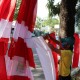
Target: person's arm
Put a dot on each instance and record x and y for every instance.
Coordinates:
(47, 37)
(54, 40)
(54, 49)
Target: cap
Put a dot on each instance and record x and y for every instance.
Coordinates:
(67, 41)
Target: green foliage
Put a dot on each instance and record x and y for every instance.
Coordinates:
(17, 9)
(53, 9)
(50, 22)
(38, 22)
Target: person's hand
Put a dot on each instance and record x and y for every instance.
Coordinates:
(61, 47)
(46, 37)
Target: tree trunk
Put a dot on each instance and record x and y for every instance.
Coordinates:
(67, 17)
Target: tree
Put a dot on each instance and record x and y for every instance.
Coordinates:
(67, 16)
(53, 9)
(38, 22)
(77, 17)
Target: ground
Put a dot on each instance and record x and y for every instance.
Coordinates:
(76, 75)
(38, 72)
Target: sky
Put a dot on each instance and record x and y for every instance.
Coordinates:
(42, 11)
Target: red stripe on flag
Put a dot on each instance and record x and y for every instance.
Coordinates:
(3, 46)
(7, 10)
(31, 17)
(11, 50)
(3, 74)
(1, 3)
(17, 78)
(30, 58)
(76, 51)
(27, 13)
(22, 11)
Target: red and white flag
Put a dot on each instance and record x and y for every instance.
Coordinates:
(20, 52)
(7, 8)
(76, 55)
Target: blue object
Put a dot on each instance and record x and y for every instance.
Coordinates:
(67, 41)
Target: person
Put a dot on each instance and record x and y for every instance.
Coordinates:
(65, 51)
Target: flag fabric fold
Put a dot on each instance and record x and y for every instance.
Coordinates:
(3, 74)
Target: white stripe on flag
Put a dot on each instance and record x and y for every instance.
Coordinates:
(18, 66)
(21, 31)
(5, 28)
(46, 59)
